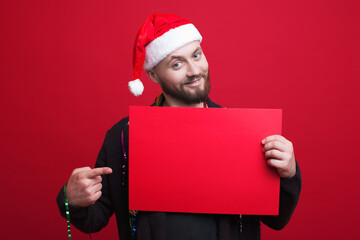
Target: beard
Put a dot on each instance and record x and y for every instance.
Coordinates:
(185, 95)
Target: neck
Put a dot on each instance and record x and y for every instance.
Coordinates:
(171, 102)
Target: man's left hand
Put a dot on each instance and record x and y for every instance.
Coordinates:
(279, 153)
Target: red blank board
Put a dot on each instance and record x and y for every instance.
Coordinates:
(202, 160)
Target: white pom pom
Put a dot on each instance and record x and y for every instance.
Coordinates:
(136, 87)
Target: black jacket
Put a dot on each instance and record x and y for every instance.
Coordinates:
(114, 199)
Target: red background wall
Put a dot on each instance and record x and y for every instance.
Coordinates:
(64, 67)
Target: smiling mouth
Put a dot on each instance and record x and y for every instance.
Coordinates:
(194, 82)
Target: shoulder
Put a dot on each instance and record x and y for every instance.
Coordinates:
(113, 135)
(120, 125)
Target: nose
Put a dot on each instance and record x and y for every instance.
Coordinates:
(193, 69)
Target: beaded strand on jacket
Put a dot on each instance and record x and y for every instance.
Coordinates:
(132, 213)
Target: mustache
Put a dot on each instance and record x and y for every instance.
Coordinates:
(193, 78)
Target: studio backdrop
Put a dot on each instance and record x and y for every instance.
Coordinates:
(64, 68)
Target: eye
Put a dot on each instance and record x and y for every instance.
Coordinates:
(176, 65)
(196, 55)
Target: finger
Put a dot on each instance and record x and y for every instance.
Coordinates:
(278, 138)
(275, 154)
(97, 187)
(96, 180)
(274, 138)
(96, 196)
(275, 145)
(98, 171)
(276, 163)
(76, 170)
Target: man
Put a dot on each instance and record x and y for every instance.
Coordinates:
(168, 47)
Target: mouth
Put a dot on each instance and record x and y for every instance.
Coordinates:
(194, 83)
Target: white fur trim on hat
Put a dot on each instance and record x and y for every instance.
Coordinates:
(173, 39)
(136, 87)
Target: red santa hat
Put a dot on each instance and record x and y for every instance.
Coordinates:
(160, 35)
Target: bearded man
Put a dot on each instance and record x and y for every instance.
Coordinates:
(168, 48)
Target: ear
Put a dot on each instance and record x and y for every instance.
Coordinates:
(153, 76)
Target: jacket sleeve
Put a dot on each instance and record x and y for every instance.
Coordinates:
(289, 195)
(95, 217)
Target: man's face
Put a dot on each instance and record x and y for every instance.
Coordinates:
(184, 74)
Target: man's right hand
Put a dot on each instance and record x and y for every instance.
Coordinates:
(84, 186)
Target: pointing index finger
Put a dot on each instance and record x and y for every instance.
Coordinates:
(98, 171)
